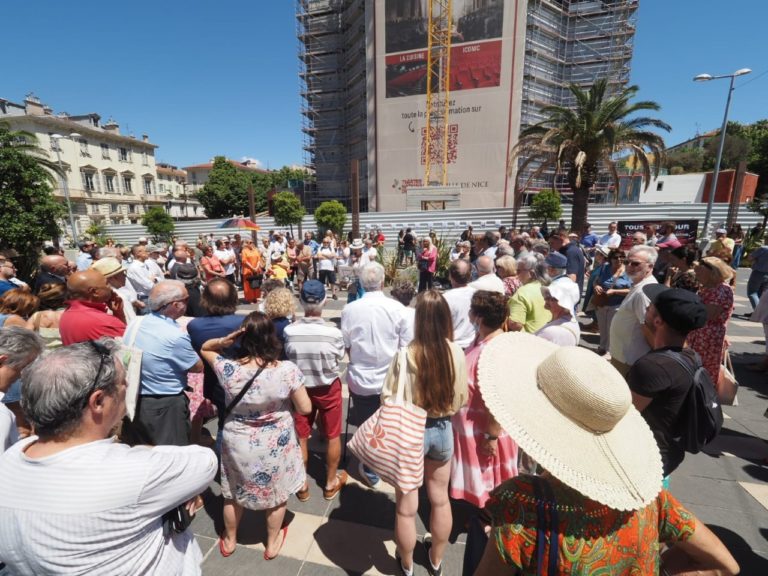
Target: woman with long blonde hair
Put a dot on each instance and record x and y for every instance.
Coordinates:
(436, 373)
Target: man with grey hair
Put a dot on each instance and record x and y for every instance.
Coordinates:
(162, 409)
(317, 348)
(99, 503)
(140, 274)
(630, 338)
(459, 298)
(18, 348)
(527, 309)
(374, 328)
(486, 276)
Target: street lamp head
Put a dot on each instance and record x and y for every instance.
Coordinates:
(75, 135)
(702, 78)
(742, 72)
(57, 136)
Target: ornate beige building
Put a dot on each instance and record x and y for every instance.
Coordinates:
(110, 178)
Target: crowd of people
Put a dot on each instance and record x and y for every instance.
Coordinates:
(111, 364)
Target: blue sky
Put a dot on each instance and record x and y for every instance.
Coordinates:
(206, 78)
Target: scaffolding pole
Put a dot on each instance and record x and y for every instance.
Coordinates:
(438, 89)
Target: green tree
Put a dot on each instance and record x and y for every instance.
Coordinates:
(685, 160)
(545, 207)
(28, 209)
(591, 134)
(225, 193)
(159, 224)
(287, 209)
(96, 231)
(736, 148)
(331, 215)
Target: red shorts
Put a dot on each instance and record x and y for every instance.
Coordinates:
(326, 403)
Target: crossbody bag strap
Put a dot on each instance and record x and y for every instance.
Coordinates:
(236, 400)
(135, 332)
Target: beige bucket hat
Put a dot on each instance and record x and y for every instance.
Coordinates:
(572, 412)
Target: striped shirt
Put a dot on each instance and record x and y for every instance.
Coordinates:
(96, 509)
(316, 347)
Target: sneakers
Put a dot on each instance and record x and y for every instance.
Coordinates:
(366, 477)
(427, 542)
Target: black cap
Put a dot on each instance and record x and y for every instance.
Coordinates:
(682, 310)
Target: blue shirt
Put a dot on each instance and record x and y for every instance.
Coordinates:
(167, 354)
(5, 286)
(759, 259)
(590, 240)
(607, 281)
(312, 244)
(84, 261)
(202, 329)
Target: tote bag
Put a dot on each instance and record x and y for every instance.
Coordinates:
(727, 385)
(131, 359)
(391, 442)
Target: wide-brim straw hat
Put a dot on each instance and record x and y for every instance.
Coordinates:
(357, 244)
(572, 412)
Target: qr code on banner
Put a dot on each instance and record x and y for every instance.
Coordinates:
(435, 151)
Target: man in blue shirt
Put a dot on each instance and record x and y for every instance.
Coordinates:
(590, 239)
(85, 257)
(310, 241)
(162, 410)
(575, 261)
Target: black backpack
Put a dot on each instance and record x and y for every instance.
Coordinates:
(701, 418)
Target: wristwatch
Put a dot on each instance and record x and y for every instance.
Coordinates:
(489, 436)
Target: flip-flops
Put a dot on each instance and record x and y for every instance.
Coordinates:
(285, 536)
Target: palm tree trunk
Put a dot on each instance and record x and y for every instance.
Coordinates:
(580, 209)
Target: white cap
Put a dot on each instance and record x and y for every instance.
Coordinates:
(565, 291)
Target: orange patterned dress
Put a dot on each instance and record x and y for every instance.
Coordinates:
(251, 266)
(592, 538)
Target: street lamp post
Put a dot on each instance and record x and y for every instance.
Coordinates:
(65, 182)
(716, 172)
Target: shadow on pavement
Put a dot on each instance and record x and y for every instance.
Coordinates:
(750, 562)
(744, 446)
(757, 472)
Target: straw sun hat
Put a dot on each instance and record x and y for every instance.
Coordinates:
(572, 412)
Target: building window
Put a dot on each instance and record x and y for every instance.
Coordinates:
(161, 188)
(144, 159)
(660, 186)
(105, 151)
(131, 208)
(84, 148)
(147, 186)
(114, 208)
(125, 154)
(94, 208)
(109, 182)
(89, 182)
(127, 184)
(54, 143)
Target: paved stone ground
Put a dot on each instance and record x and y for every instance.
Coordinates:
(726, 486)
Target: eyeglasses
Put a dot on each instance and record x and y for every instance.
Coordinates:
(104, 355)
(634, 262)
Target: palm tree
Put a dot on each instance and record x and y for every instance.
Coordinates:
(590, 135)
(27, 143)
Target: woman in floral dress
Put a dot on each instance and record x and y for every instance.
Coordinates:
(260, 456)
(713, 275)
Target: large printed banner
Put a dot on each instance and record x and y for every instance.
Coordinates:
(685, 230)
(482, 82)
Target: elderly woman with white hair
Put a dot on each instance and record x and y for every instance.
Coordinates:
(88, 504)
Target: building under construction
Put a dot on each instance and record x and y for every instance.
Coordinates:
(362, 79)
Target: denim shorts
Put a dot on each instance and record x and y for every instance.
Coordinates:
(438, 439)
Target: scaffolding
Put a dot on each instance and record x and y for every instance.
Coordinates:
(332, 69)
(573, 42)
(438, 89)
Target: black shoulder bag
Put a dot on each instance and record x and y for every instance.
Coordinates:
(231, 406)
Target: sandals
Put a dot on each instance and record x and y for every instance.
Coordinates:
(285, 536)
(223, 550)
(303, 494)
(341, 480)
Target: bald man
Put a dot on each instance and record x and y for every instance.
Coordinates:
(88, 316)
(54, 269)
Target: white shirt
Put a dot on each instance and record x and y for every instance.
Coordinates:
(326, 263)
(491, 252)
(155, 268)
(96, 509)
(610, 240)
(628, 342)
(140, 277)
(224, 255)
(128, 309)
(9, 434)
(410, 322)
(564, 331)
(459, 300)
(489, 282)
(374, 329)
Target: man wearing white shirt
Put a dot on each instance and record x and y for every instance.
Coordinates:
(374, 329)
(326, 263)
(88, 504)
(226, 256)
(486, 276)
(154, 262)
(459, 298)
(612, 239)
(139, 274)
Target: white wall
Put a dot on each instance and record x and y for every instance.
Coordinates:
(680, 188)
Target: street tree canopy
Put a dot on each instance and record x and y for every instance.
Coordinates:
(331, 215)
(29, 212)
(591, 134)
(159, 224)
(545, 207)
(287, 209)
